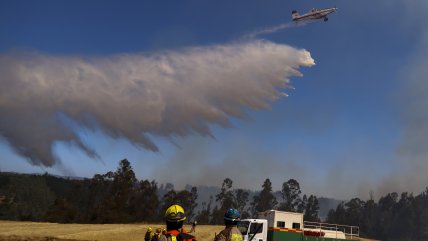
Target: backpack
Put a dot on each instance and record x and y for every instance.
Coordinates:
(179, 236)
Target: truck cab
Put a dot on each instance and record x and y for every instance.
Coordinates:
(253, 229)
(272, 225)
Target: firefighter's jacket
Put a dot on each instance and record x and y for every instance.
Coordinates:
(148, 236)
(229, 234)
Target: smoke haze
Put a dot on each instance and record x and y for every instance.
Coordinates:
(132, 96)
(413, 149)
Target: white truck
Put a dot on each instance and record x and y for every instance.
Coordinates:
(276, 225)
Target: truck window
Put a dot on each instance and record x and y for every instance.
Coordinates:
(243, 227)
(296, 225)
(280, 224)
(256, 228)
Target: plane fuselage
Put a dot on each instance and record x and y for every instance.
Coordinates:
(315, 14)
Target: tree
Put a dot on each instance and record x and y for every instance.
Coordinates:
(265, 200)
(386, 206)
(203, 216)
(241, 199)
(25, 197)
(121, 192)
(93, 203)
(405, 216)
(302, 206)
(291, 196)
(225, 199)
(420, 204)
(187, 199)
(354, 210)
(124, 181)
(311, 209)
(216, 219)
(145, 202)
(111, 195)
(369, 216)
(192, 202)
(338, 215)
(167, 200)
(62, 211)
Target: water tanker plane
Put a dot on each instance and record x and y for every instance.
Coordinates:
(313, 14)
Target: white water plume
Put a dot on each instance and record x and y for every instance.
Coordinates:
(170, 93)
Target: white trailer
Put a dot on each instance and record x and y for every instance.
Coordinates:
(274, 225)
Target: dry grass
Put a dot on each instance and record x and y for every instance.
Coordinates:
(31, 231)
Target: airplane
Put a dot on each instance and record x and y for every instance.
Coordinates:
(313, 14)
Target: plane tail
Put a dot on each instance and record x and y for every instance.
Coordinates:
(294, 14)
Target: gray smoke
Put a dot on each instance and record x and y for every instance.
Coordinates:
(133, 96)
(413, 149)
(409, 171)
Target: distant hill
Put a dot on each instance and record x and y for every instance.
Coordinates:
(205, 192)
(326, 204)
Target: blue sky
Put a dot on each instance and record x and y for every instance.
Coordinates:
(345, 129)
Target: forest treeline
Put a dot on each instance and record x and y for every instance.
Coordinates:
(119, 197)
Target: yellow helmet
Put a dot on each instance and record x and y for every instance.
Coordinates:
(175, 213)
(149, 229)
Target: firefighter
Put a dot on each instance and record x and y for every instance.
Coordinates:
(149, 234)
(231, 232)
(174, 218)
(193, 229)
(157, 235)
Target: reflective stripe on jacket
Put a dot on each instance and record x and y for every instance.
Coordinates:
(174, 235)
(229, 234)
